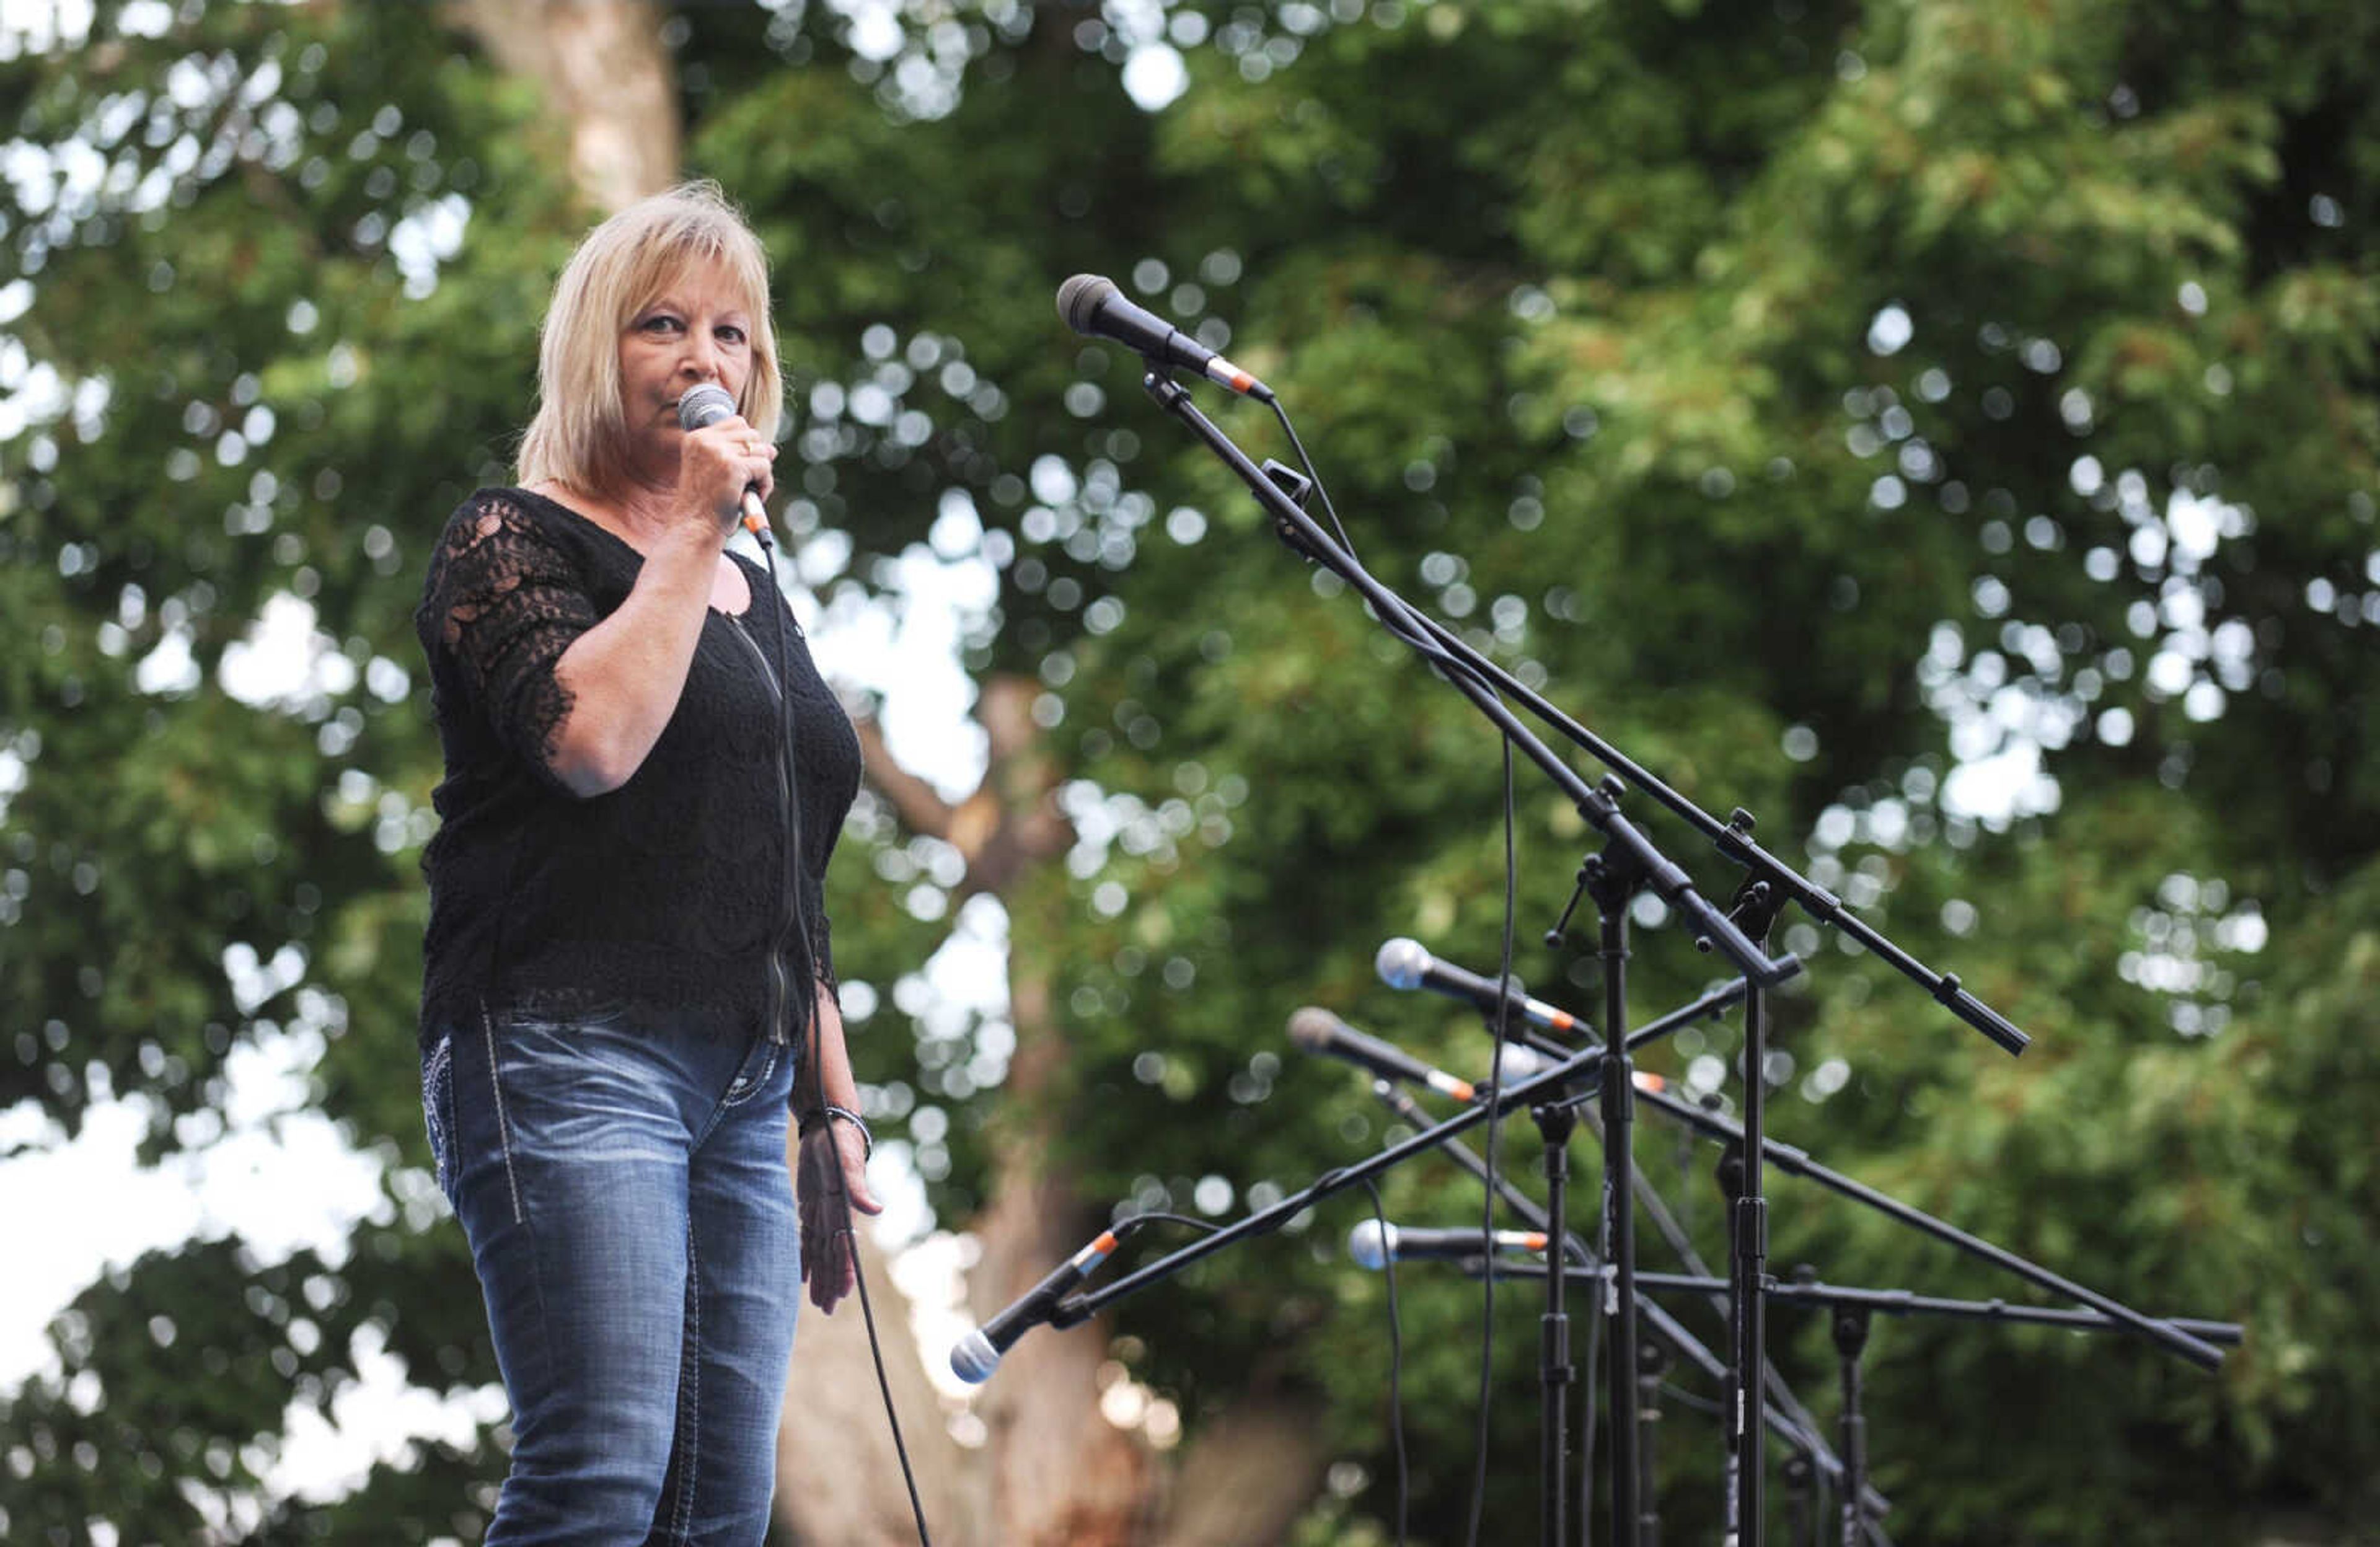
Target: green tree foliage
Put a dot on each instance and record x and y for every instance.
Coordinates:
(1825, 402)
(242, 269)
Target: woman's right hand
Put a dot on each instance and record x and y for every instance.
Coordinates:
(718, 462)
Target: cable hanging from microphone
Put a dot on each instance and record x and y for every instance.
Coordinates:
(700, 406)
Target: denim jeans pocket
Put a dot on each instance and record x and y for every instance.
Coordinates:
(754, 1078)
(438, 1110)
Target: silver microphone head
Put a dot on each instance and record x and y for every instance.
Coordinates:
(1402, 963)
(1079, 299)
(974, 1358)
(1519, 1060)
(1314, 1029)
(707, 404)
(1371, 1244)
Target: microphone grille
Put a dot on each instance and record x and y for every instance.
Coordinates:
(1313, 1029)
(1370, 1244)
(1402, 963)
(707, 404)
(1079, 299)
(974, 1358)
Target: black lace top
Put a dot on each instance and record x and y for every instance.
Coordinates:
(695, 884)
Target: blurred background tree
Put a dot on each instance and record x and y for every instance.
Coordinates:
(1946, 430)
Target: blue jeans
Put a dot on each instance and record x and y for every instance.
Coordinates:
(622, 1181)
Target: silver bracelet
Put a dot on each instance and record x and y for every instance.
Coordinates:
(829, 1112)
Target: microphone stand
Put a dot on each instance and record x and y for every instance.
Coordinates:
(1748, 1237)
(1800, 1518)
(1649, 1204)
(1481, 680)
(1476, 680)
(1850, 1309)
(1555, 1120)
(1652, 1363)
(1076, 1307)
(1784, 1416)
(1612, 879)
(1897, 1302)
(1629, 859)
(1080, 1306)
(1851, 1340)
(1770, 883)
(2178, 1338)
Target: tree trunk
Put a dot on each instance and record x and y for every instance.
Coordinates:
(606, 74)
(1052, 1471)
(838, 1475)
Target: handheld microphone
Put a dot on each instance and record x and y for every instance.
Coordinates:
(1093, 306)
(1373, 1246)
(978, 1354)
(1407, 964)
(1317, 1031)
(707, 405)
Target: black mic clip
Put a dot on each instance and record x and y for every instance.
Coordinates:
(1561, 931)
(1300, 489)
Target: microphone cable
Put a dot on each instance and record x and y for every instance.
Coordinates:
(1396, 1363)
(1495, 1135)
(1402, 627)
(838, 1191)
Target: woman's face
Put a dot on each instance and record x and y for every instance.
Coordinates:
(696, 329)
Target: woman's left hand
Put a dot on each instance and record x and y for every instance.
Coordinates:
(831, 1167)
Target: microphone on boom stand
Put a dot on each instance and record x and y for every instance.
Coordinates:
(1317, 1031)
(1407, 964)
(978, 1353)
(1373, 1245)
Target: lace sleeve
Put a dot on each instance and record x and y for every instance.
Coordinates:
(506, 604)
(823, 954)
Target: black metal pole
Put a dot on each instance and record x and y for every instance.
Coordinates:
(1469, 670)
(1652, 1364)
(1611, 882)
(1901, 1302)
(2176, 1337)
(1578, 1068)
(1748, 1234)
(1851, 1341)
(1554, 1122)
(1731, 1189)
(1474, 676)
(1787, 1420)
(1800, 1506)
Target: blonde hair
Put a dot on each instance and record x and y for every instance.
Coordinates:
(579, 434)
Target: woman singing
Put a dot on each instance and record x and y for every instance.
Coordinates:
(628, 985)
